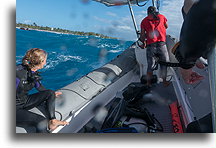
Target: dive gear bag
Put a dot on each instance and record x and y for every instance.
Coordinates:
(128, 106)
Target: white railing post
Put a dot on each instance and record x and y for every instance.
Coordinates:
(212, 80)
(133, 18)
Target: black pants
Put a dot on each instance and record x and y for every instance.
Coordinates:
(45, 99)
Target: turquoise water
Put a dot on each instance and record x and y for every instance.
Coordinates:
(69, 56)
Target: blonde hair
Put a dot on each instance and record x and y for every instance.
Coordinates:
(34, 57)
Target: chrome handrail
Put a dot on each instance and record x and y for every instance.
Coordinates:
(212, 80)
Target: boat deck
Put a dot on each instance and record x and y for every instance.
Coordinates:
(160, 106)
(157, 103)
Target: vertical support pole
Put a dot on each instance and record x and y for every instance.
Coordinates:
(153, 3)
(133, 18)
(212, 80)
(158, 4)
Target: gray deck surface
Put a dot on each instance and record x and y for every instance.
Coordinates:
(198, 94)
(157, 102)
(163, 96)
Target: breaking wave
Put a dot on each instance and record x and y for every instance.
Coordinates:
(69, 56)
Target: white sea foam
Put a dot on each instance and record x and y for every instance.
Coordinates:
(19, 59)
(56, 59)
(69, 58)
(105, 45)
(53, 62)
(82, 37)
(115, 51)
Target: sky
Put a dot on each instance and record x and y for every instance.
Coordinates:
(91, 16)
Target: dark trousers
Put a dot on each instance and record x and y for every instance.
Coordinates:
(45, 99)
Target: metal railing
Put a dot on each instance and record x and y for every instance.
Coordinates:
(212, 80)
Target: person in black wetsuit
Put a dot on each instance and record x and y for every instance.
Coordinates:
(197, 36)
(27, 78)
(197, 39)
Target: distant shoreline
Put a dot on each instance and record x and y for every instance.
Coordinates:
(44, 31)
(58, 30)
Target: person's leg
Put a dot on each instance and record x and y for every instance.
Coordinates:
(27, 118)
(150, 60)
(47, 96)
(163, 56)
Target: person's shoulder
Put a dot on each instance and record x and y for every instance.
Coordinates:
(19, 67)
(161, 15)
(145, 19)
(20, 71)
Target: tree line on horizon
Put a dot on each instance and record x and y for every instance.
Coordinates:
(35, 26)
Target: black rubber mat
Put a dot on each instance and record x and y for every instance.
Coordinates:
(160, 97)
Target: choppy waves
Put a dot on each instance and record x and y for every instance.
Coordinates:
(55, 60)
(69, 56)
(115, 51)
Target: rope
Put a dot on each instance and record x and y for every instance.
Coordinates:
(169, 64)
(60, 115)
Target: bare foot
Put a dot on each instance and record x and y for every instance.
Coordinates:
(53, 124)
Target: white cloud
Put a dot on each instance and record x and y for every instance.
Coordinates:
(27, 21)
(143, 12)
(102, 20)
(126, 28)
(123, 27)
(111, 14)
(172, 11)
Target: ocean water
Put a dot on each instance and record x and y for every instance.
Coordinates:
(69, 56)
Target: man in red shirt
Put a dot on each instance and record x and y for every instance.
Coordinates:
(153, 36)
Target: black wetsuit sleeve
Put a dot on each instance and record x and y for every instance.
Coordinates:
(198, 31)
(39, 86)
